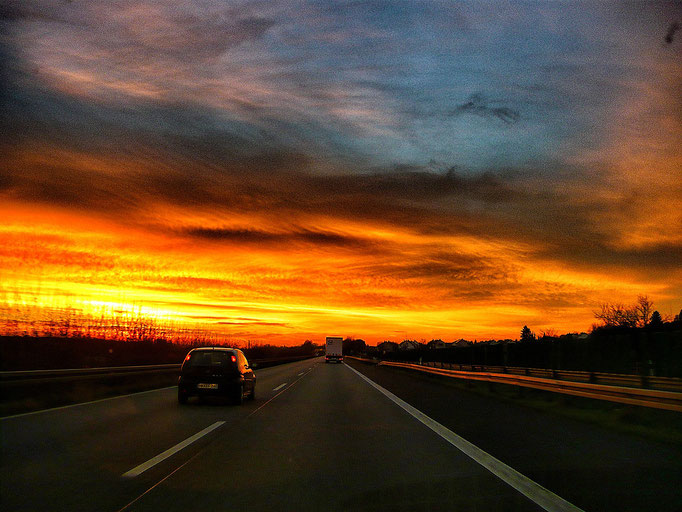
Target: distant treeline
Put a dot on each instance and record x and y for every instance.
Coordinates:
(644, 350)
(43, 353)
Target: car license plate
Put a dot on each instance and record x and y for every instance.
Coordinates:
(207, 386)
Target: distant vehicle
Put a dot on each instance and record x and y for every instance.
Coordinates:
(334, 350)
(216, 371)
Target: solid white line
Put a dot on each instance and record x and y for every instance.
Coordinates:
(301, 374)
(532, 490)
(21, 415)
(279, 387)
(137, 470)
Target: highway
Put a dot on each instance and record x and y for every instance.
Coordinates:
(322, 437)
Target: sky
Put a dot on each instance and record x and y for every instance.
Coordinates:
(286, 170)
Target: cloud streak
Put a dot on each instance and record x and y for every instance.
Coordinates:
(260, 237)
(479, 105)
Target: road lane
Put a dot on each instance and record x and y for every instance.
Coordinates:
(73, 458)
(325, 441)
(548, 500)
(330, 442)
(589, 465)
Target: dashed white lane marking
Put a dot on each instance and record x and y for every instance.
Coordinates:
(171, 451)
(279, 387)
(301, 374)
(532, 490)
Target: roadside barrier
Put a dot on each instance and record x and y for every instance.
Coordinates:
(613, 379)
(564, 382)
(34, 376)
(27, 390)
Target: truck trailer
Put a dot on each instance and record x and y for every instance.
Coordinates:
(334, 349)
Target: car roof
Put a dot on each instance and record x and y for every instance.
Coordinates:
(225, 349)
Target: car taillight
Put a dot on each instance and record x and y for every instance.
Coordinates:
(233, 358)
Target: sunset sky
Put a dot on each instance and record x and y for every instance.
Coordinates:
(284, 170)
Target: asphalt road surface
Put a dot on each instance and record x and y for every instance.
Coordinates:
(321, 437)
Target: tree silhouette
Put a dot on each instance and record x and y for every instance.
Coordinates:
(527, 334)
(656, 320)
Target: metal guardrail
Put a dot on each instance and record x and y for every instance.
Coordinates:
(16, 376)
(28, 390)
(612, 379)
(669, 400)
(71, 372)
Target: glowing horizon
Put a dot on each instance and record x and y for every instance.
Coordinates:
(377, 170)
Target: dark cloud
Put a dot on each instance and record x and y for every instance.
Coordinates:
(10, 12)
(418, 183)
(670, 34)
(658, 259)
(480, 106)
(437, 266)
(259, 237)
(15, 10)
(253, 323)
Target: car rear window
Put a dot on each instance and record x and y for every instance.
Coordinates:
(210, 358)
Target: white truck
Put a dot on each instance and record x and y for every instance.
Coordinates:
(334, 350)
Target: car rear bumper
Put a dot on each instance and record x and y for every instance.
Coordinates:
(224, 388)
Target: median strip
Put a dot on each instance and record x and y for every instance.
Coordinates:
(171, 451)
(279, 387)
(532, 490)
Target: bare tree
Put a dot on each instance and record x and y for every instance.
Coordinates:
(617, 314)
(644, 309)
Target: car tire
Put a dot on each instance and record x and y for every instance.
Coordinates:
(182, 398)
(252, 395)
(239, 395)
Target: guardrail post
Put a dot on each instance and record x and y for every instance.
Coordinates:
(645, 381)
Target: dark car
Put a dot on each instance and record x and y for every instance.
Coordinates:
(216, 371)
